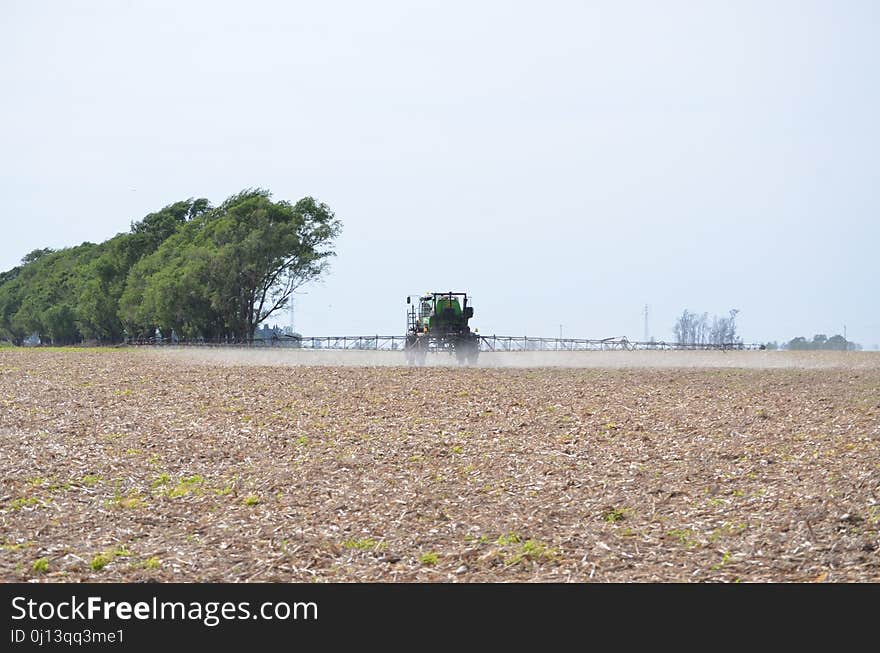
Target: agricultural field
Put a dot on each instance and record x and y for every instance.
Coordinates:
(137, 465)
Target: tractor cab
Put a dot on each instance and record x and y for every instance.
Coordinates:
(426, 312)
(438, 321)
(446, 311)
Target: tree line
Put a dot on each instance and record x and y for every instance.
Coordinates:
(819, 342)
(191, 268)
(697, 329)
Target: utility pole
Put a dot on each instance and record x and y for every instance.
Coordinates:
(845, 345)
(560, 332)
(292, 330)
(647, 338)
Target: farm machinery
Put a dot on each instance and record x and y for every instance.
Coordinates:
(439, 322)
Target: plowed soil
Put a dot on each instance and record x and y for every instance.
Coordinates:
(121, 465)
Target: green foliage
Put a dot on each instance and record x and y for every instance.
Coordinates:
(103, 559)
(615, 515)
(429, 559)
(534, 550)
(685, 537)
(35, 255)
(725, 558)
(6, 545)
(516, 550)
(821, 341)
(132, 501)
(100, 561)
(200, 270)
(18, 504)
(70, 295)
(40, 566)
(162, 479)
(510, 538)
(189, 485)
(40, 297)
(152, 563)
(363, 544)
(224, 272)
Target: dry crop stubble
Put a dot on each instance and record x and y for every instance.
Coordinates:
(124, 465)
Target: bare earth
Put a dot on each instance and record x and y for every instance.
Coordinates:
(122, 465)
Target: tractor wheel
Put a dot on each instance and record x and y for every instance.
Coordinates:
(410, 349)
(420, 352)
(467, 350)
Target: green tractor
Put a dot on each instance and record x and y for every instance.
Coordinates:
(439, 322)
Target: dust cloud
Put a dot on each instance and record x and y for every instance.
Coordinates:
(233, 356)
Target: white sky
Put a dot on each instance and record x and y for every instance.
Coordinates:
(563, 162)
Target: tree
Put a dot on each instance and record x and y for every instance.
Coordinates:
(835, 342)
(228, 269)
(820, 341)
(41, 298)
(35, 255)
(200, 270)
(171, 290)
(271, 249)
(688, 328)
(798, 343)
(723, 331)
(693, 329)
(154, 229)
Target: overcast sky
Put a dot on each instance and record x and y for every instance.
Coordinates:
(563, 162)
